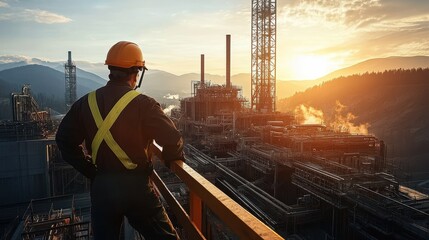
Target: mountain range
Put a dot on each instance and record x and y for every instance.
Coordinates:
(288, 88)
(17, 70)
(155, 81)
(394, 110)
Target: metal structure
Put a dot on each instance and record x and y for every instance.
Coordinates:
(212, 106)
(228, 61)
(28, 121)
(55, 218)
(70, 77)
(25, 107)
(24, 173)
(263, 55)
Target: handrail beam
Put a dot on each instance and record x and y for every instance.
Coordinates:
(238, 219)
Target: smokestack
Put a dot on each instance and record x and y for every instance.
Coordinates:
(202, 69)
(69, 59)
(228, 61)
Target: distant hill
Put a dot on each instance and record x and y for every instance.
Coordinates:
(99, 69)
(394, 104)
(288, 88)
(180, 84)
(45, 83)
(380, 65)
(46, 80)
(167, 87)
(9, 62)
(4, 66)
(285, 88)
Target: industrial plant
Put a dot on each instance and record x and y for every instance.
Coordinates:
(300, 181)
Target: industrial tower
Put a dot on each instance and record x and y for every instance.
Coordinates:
(70, 75)
(263, 55)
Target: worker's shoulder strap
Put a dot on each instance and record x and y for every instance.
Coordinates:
(104, 126)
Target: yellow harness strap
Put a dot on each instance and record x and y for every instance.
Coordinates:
(104, 126)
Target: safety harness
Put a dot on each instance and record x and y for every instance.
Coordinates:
(104, 126)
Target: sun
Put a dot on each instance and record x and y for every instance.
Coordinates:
(308, 67)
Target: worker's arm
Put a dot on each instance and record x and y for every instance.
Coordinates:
(165, 134)
(69, 139)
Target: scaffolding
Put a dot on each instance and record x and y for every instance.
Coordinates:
(263, 55)
(25, 107)
(28, 121)
(54, 218)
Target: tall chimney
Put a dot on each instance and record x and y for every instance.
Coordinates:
(202, 69)
(69, 60)
(228, 61)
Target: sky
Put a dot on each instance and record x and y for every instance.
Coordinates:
(314, 37)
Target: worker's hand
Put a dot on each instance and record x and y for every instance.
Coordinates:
(88, 158)
(93, 171)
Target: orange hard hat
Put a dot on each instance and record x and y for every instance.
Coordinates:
(125, 55)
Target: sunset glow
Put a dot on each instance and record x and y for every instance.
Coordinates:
(314, 38)
(308, 67)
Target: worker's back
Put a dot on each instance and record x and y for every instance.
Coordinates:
(117, 125)
(131, 130)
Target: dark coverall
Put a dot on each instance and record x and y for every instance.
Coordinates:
(115, 190)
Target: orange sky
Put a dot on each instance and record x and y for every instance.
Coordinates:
(313, 37)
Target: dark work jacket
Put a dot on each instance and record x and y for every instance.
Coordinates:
(141, 122)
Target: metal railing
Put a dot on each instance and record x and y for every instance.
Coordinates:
(203, 193)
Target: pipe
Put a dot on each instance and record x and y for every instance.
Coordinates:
(70, 58)
(202, 69)
(228, 61)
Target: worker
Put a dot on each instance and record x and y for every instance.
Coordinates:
(116, 125)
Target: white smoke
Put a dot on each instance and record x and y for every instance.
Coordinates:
(167, 110)
(344, 121)
(171, 96)
(308, 115)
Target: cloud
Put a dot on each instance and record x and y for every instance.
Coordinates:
(3, 4)
(404, 37)
(357, 29)
(34, 15)
(351, 13)
(42, 16)
(14, 58)
(360, 13)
